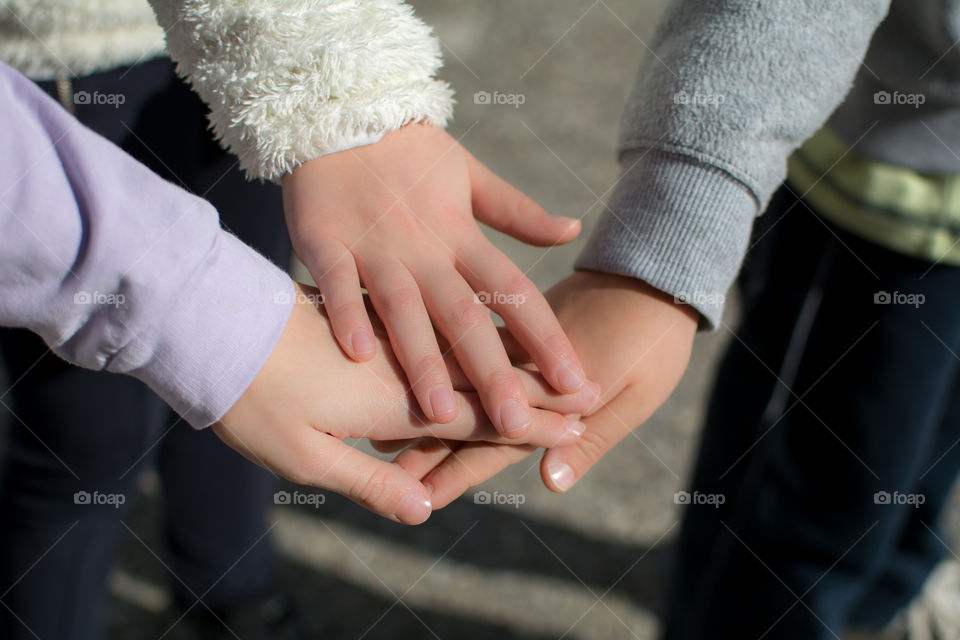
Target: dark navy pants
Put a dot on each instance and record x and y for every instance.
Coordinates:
(74, 430)
(833, 433)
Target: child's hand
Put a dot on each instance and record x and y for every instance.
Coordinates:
(308, 397)
(634, 340)
(400, 214)
(637, 340)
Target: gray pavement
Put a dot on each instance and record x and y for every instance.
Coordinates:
(590, 564)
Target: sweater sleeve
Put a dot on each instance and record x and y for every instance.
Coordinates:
(728, 89)
(119, 270)
(290, 81)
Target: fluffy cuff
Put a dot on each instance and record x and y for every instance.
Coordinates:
(287, 82)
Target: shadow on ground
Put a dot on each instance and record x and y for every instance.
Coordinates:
(335, 608)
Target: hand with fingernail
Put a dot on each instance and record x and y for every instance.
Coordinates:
(400, 217)
(634, 341)
(308, 397)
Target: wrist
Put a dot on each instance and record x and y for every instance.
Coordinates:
(376, 140)
(633, 291)
(213, 338)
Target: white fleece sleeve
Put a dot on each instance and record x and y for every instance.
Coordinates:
(292, 80)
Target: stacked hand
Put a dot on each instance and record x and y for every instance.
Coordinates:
(308, 397)
(398, 216)
(634, 340)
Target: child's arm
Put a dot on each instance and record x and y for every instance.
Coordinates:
(727, 91)
(339, 100)
(119, 270)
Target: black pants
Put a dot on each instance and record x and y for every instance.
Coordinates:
(832, 435)
(74, 430)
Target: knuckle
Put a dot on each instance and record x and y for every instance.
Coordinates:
(549, 424)
(345, 312)
(402, 301)
(370, 489)
(556, 348)
(520, 285)
(458, 220)
(466, 313)
(404, 217)
(593, 445)
(526, 206)
(503, 382)
(457, 475)
(339, 270)
(429, 365)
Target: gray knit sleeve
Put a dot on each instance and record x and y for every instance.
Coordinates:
(728, 89)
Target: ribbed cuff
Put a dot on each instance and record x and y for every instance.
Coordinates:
(217, 334)
(679, 225)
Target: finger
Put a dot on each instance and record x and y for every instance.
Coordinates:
(505, 208)
(516, 353)
(563, 467)
(547, 429)
(539, 394)
(466, 467)
(398, 302)
(542, 396)
(382, 487)
(504, 288)
(474, 340)
(424, 454)
(334, 269)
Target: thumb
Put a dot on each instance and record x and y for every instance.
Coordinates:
(505, 208)
(382, 487)
(563, 467)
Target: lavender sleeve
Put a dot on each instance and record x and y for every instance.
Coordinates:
(119, 270)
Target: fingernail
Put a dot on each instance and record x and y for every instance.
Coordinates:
(513, 418)
(361, 342)
(561, 474)
(574, 426)
(590, 392)
(429, 488)
(414, 509)
(442, 402)
(570, 376)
